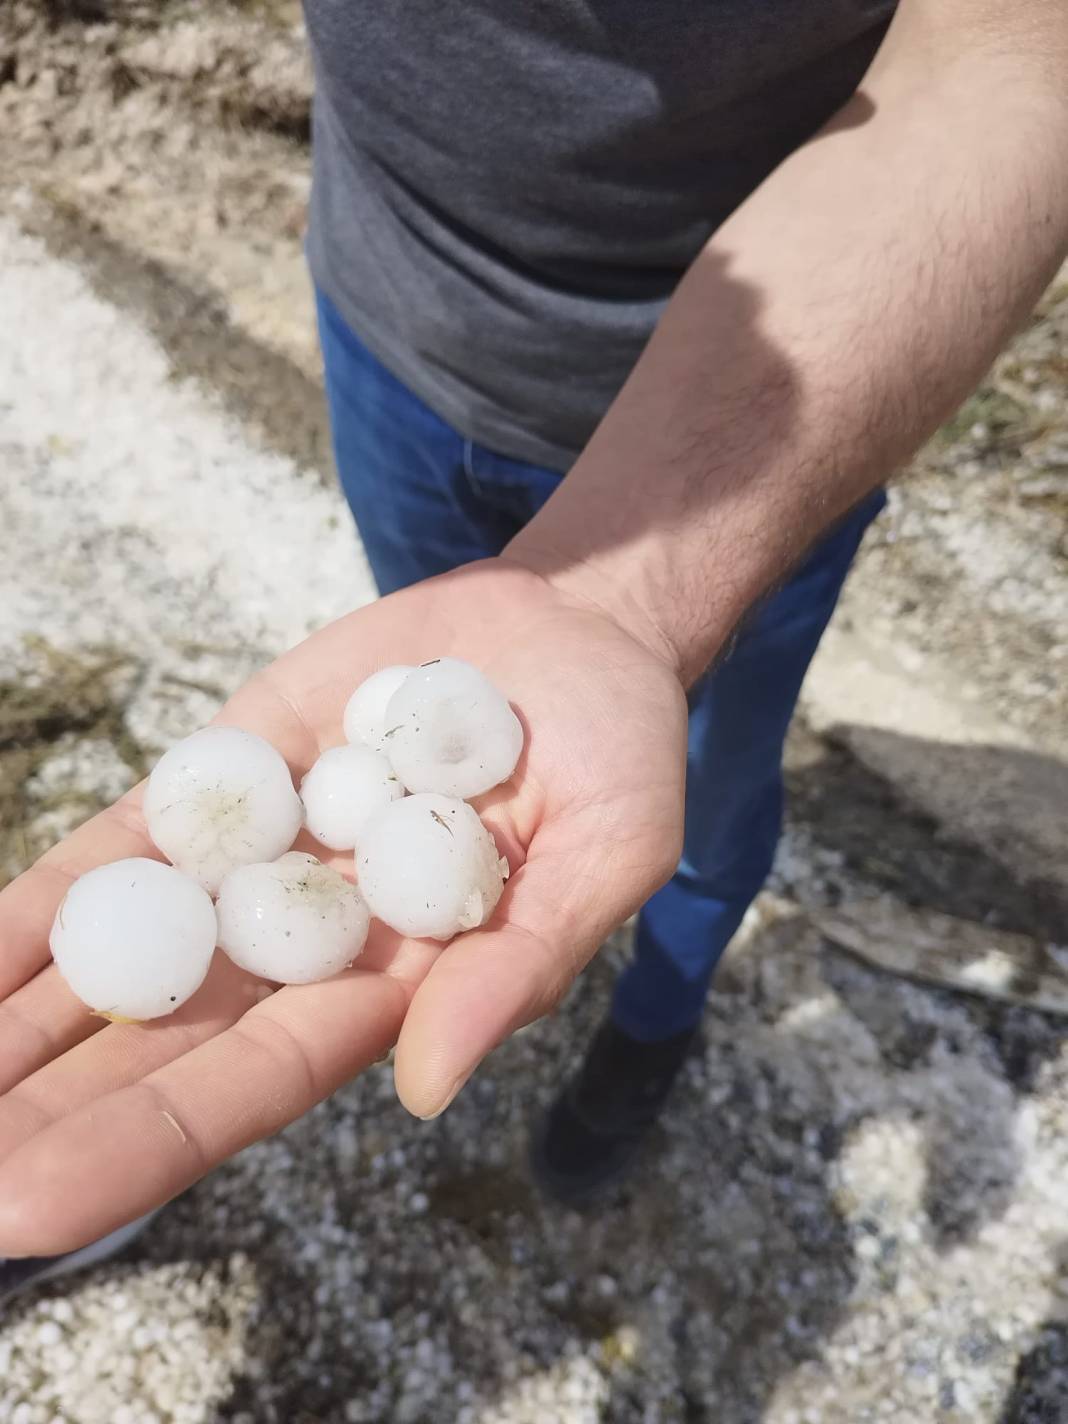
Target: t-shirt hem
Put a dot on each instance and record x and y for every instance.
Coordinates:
(499, 437)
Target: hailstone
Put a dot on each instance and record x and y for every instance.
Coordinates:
(429, 868)
(221, 798)
(293, 921)
(450, 731)
(344, 788)
(134, 939)
(365, 712)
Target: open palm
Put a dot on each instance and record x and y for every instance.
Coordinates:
(99, 1123)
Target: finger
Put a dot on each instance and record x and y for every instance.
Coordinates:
(70, 1075)
(557, 910)
(136, 1148)
(39, 1022)
(119, 1054)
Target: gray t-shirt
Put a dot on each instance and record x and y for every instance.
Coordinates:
(506, 192)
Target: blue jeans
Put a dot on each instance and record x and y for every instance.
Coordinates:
(426, 499)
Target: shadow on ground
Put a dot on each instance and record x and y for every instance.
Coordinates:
(860, 816)
(277, 401)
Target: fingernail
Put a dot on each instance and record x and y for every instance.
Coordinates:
(429, 1117)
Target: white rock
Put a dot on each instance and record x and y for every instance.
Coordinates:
(343, 790)
(365, 712)
(134, 938)
(294, 921)
(429, 868)
(219, 799)
(449, 730)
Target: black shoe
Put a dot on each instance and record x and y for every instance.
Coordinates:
(25, 1272)
(592, 1133)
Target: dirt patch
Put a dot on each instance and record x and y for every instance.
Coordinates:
(885, 842)
(56, 701)
(274, 395)
(179, 131)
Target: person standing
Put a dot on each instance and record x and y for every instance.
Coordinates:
(628, 311)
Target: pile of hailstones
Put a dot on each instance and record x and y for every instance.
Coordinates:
(134, 939)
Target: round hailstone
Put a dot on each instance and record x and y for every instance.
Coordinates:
(450, 730)
(134, 939)
(428, 867)
(221, 798)
(294, 921)
(343, 790)
(365, 712)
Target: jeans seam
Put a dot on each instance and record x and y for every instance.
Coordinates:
(469, 467)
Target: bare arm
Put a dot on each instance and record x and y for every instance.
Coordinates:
(826, 329)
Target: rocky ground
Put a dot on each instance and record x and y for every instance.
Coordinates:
(856, 1207)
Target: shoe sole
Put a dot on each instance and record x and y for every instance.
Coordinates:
(584, 1192)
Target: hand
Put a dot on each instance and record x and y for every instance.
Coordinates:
(99, 1123)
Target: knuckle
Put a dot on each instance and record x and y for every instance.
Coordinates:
(285, 1051)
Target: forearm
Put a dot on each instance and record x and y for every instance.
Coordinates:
(826, 330)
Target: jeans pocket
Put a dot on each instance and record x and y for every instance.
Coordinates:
(514, 487)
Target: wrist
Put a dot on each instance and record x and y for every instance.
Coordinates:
(619, 585)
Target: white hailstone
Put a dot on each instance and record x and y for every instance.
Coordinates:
(343, 790)
(134, 939)
(293, 921)
(221, 798)
(365, 711)
(428, 867)
(450, 730)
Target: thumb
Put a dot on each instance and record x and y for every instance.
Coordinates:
(554, 915)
